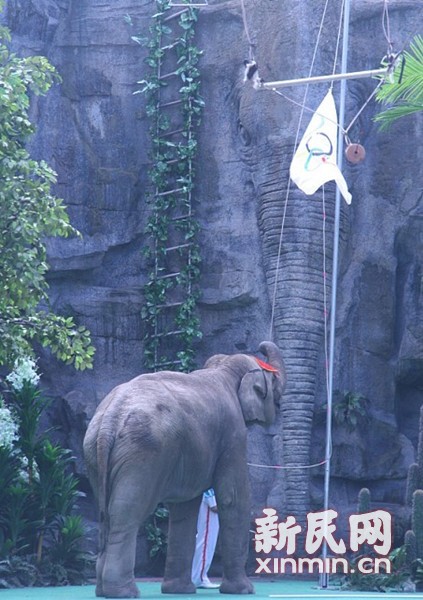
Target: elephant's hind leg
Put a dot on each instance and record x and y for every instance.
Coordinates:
(181, 546)
(118, 569)
(128, 508)
(99, 573)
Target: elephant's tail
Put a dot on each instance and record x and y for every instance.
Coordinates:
(105, 444)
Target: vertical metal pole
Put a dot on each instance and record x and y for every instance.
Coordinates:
(345, 35)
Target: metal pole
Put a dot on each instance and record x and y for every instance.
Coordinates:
(325, 575)
(273, 85)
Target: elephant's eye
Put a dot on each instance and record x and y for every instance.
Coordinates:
(243, 133)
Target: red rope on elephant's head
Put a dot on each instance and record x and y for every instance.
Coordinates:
(266, 366)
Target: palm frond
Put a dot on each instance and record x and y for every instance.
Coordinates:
(403, 96)
(388, 116)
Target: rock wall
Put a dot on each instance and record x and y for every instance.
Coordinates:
(93, 131)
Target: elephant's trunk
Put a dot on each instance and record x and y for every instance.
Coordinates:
(274, 357)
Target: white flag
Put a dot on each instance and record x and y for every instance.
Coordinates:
(314, 162)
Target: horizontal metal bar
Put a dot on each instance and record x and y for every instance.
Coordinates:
(170, 305)
(170, 46)
(167, 276)
(172, 248)
(167, 363)
(173, 103)
(168, 333)
(175, 15)
(271, 85)
(183, 217)
(170, 133)
(168, 75)
(169, 192)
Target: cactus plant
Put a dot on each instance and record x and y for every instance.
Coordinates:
(420, 448)
(413, 477)
(364, 500)
(410, 547)
(415, 470)
(417, 521)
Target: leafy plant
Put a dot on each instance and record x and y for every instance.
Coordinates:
(67, 548)
(403, 96)
(54, 489)
(156, 536)
(29, 212)
(350, 409)
(40, 537)
(172, 177)
(396, 581)
(16, 572)
(417, 574)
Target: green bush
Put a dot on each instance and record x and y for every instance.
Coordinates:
(40, 536)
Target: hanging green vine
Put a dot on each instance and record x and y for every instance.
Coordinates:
(172, 177)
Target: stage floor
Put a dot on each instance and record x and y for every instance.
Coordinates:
(150, 590)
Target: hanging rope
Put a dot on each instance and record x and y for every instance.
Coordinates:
(338, 40)
(303, 108)
(386, 26)
(247, 32)
(325, 295)
(390, 58)
(319, 464)
(366, 103)
(288, 189)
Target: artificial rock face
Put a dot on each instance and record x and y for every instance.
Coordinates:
(93, 131)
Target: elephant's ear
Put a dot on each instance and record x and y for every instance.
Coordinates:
(255, 395)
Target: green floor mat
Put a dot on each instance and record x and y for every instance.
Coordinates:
(284, 589)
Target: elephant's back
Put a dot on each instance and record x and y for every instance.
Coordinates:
(159, 409)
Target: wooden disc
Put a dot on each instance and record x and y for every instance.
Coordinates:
(355, 153)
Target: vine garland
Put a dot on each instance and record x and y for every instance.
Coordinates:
(172, 177)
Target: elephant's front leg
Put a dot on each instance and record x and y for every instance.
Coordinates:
(232, 490)
(181, 546)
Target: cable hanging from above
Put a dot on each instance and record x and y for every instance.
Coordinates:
(247, 33)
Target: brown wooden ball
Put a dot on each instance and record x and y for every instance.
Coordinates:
(355, 153)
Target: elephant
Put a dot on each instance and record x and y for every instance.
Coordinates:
(167, 437)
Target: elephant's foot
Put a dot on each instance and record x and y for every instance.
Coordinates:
(241, 585)
(99, 590)
(125, 591)
(178, 586)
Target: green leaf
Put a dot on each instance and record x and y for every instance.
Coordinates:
(172, 162)
(29, 213)
(403, 96)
